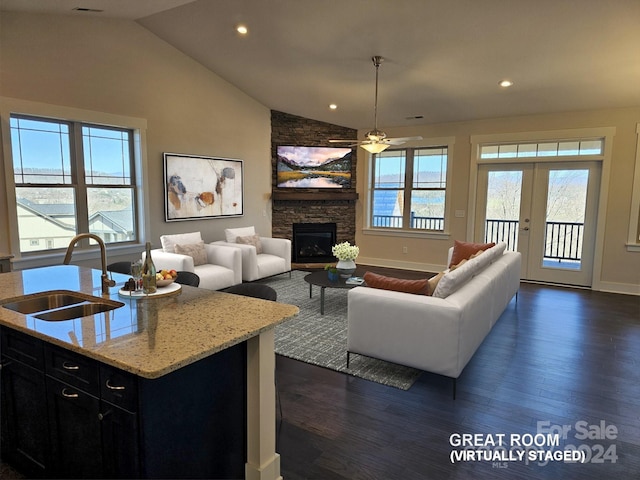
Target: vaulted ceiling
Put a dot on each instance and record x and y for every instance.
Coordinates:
(443, 58)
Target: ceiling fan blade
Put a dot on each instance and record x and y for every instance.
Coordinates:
(342, 141)
(401, 140)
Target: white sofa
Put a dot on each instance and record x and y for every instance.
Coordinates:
(438, 335)
(273, 258)
(222, 268)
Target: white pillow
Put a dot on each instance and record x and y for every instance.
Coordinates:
(496, 252)
(232, 233)
(454, 279)
(169, 241)
(252, 240)
(195, 251)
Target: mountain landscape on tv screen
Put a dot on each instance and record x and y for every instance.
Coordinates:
(314, 167)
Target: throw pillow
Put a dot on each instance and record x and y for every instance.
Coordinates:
(169, 241)
(456, 277)
(433, 282)
(375, 280)
(458, 265)
(251, 240)
(194, 250)
(464, 250)
(232, 233)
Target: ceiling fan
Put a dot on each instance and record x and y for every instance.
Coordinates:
(376, 140)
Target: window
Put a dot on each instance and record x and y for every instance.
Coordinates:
(543, 149)
(72, 177)
(408, 189)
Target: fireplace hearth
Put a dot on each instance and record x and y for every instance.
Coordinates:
(312, 242)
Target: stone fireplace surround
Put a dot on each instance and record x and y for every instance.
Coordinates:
(310, 206)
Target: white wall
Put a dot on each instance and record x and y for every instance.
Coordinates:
(118, 67)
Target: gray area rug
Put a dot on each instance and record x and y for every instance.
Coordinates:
(322, 339)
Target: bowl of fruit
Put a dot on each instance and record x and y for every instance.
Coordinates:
(165, 277)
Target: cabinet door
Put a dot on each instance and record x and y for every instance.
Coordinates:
(24, 417)
(119, 442)
(74, 426)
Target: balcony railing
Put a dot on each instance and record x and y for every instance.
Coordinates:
(422, 223)
(563, 240)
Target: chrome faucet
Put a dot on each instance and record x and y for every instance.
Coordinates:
(106, 281)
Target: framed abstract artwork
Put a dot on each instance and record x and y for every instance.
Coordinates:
(198, 187)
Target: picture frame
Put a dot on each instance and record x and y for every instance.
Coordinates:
(198, 187)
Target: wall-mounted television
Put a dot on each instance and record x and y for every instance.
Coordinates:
(313, 167)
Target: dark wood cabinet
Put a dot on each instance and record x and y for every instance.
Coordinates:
(65, 415)
(24, 417)
(74, 431)
(120, 454)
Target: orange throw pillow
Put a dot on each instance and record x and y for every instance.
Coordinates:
(464, 250)
(374, 280)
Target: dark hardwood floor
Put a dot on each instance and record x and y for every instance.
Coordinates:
(558, 355)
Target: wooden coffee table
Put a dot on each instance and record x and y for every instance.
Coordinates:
(321, 279)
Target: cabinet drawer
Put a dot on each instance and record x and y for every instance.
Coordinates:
(23, 348)
(71, 368)
(118, 388)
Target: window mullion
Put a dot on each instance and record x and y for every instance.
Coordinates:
(80, 186)
(408, 188)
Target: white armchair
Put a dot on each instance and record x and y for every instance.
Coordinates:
(261, 256)
(218, 266)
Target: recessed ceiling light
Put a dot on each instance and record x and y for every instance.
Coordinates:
(333, 106)
(505, 83)
(242, 29)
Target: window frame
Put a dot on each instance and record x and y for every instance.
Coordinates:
(633, 238)
(83, 251)
(433, 143)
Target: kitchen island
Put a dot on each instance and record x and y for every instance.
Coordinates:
(200, 365)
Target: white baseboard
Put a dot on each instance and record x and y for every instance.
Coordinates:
(625, 288)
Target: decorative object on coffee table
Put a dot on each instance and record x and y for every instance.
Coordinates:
(346, 255)
(332, 273)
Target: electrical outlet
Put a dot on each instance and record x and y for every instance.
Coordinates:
(405, 250)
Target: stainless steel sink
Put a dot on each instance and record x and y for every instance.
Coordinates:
(44, 301)
(77, 311)
(57, 305)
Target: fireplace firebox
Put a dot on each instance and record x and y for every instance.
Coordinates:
(312, 242)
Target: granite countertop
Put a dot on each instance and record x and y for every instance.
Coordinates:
(149, 337)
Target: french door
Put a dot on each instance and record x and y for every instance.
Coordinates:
(545, 210)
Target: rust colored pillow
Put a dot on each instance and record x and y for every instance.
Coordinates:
(464, 250)
(374, 280)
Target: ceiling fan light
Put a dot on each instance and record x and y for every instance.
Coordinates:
(375, 147)
(375, 135)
